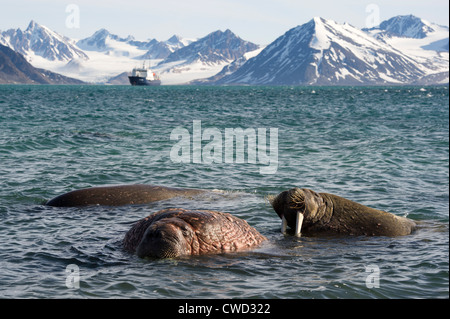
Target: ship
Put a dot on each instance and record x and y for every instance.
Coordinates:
(144, 76)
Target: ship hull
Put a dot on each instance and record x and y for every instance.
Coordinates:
(137, 80)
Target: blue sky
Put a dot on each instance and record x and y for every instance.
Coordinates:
(259, 21)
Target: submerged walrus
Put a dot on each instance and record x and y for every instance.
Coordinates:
(321, 213)
(120, 195)
(177, 232)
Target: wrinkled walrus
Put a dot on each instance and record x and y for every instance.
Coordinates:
(120, 195)
(177, 232)
(314, 213)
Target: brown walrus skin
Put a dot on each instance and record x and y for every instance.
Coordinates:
(177, 232)
(331, 214)
(120, 195)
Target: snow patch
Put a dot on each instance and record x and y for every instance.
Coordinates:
(320, 40)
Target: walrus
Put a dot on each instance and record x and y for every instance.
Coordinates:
(177, 232)
(120, 195)
(314, 213)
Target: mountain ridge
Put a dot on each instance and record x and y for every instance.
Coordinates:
(404, 26)
(218, 46)
(401, 50)
(41, 41)
(204, 57)
(102, 40)
(324, 52)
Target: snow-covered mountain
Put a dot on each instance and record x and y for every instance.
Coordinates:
(176, 42)
(111, 44)
(228, 68)
(407, 26)
(102, 40)
(110, 55)
(94, 59)
(410, 32)
(204, 58)
(40, 41)
(162, 49)
(324, 52)
(216, 47)
(177, 60)
(401, 50)
(425, 42)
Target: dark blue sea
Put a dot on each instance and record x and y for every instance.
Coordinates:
(385, 147)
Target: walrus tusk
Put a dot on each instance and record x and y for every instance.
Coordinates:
(283, 225)
(298, 224)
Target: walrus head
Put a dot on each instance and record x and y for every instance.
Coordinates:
(297, 206)
(166, 238)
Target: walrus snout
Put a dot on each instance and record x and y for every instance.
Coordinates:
(277, 203)
(164, 239)
(297, 205)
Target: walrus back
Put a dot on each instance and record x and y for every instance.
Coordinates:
(119, 195)
(356, 219)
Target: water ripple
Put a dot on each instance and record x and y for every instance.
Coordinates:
(383, 147)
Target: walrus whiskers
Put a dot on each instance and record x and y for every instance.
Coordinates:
(297, 201)
(270, 199)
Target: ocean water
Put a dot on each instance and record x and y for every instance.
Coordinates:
(385, 147)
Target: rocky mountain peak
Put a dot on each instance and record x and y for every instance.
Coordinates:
(216, 47)
(41, 41)
(324, 52)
